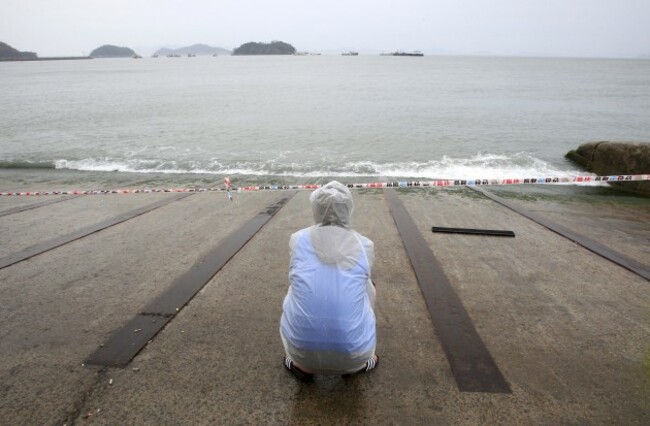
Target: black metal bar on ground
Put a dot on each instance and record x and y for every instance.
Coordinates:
(470, 361)
(127, 341)
(472, 231)
(37, 205)
(37, 249)
(592, 245)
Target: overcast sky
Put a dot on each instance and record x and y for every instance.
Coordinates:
(582, 28)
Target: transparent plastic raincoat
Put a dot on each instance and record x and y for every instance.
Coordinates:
(328, 321)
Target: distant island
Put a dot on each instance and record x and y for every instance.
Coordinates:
(195, 49)
(273, 48)
(8, 53)
(110, 51)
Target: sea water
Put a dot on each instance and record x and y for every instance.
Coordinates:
(303, 119)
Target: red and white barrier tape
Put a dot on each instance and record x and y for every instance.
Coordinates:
(397, 184)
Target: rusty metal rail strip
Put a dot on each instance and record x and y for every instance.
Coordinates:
(471, 363)
(620, 259)
(37, 205)
(128, 341)
(45, 246)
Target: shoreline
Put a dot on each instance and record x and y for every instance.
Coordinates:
(51, 179)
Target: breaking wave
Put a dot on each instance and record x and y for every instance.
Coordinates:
(479, 166)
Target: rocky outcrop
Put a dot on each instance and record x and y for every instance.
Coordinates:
(616, 158)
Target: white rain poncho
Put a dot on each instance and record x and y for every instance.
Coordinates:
(328, 322)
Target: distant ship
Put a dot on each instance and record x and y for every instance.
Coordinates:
(136, 56)
(350, 53)
(400, 53)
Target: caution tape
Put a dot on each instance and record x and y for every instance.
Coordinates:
(397, 184)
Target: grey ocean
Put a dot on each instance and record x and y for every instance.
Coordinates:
(301, 119)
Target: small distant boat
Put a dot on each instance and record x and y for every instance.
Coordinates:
(136, 56)
(155, 55)
(191, 55)
(350, 53)
(400, 53)
(301, 54)
(173, 55)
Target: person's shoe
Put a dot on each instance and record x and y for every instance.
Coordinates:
(297, 372)
(371, 364)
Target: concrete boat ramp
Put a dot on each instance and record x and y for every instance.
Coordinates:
(163, 309)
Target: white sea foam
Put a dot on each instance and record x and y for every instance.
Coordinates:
(479, 166)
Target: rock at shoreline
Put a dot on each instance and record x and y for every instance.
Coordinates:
(110, 51)
(616, 158)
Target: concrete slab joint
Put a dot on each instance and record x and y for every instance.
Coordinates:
(129, 340)
(471, 363)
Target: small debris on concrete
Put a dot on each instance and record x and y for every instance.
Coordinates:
(110, 382)
(136, 369)
(137, 329)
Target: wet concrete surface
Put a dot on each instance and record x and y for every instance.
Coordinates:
(569, 330)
